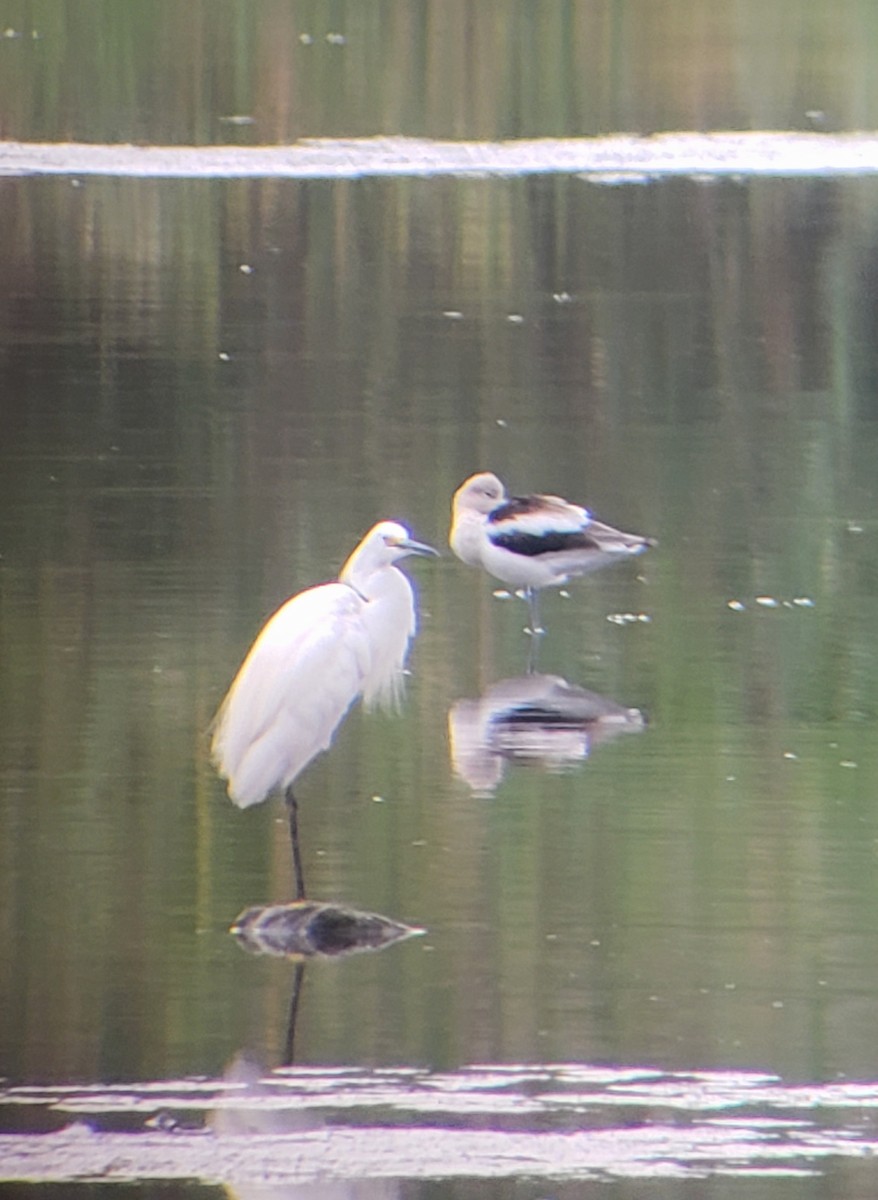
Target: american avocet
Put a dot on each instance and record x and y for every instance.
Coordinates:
(532, 542)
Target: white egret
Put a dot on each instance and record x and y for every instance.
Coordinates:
(322, 649)
(532, 542)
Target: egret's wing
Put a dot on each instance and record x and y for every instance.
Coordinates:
(302, 674)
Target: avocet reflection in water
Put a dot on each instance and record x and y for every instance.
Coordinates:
(531, 719)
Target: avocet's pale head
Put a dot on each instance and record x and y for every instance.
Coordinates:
(480, 494)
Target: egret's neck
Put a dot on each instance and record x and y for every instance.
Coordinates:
(361, 564)
(365, 570)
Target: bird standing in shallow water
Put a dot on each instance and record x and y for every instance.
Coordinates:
(532, 542)
(320, 651)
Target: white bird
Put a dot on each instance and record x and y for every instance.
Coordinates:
(532, 542)
(319, 652)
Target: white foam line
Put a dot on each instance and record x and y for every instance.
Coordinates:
(615, 158)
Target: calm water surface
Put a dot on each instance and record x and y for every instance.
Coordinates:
(210, 389)
(186, 442)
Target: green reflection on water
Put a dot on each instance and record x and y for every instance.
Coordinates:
(185, 443)
(227, 71)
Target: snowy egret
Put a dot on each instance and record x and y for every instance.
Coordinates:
(320, 651)
(532, 542)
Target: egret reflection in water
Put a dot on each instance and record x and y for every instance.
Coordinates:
(531, 719)
(251, 1108)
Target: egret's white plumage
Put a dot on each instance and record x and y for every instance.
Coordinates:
(532, 542)
(320, 651)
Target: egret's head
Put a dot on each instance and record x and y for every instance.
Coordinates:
(399, 542)
(383, 545)
(480, 493)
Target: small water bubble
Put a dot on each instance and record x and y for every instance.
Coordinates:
(849, 763)
(224, 357)
(767, 601)
(803, 601)
(791, 755)
(453, 314)
(736, 606)
(503, 424)
(245, 269)
(377, 799)
(563, 592)
(306, 39)
(515, 319)
(561, 297)
(336, 39)
(777, 1004)
(853, 527)
(501, 594)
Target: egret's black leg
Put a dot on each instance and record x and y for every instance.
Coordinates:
(289, 1047)
(293, 810)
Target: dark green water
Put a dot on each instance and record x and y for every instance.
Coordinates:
(187, 443)
(220, 71)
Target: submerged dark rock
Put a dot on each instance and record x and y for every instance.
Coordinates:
(310, 929)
